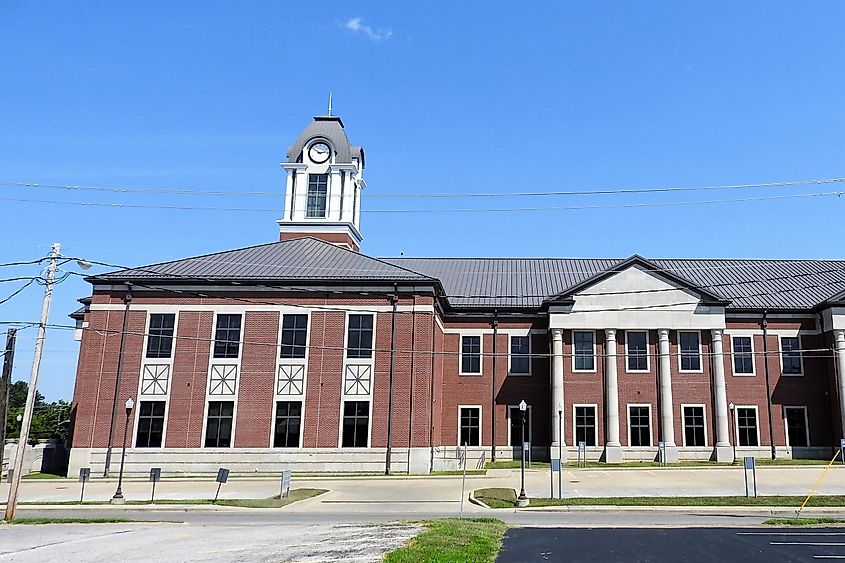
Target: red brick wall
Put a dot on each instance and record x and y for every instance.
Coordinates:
(186, 411)
(257, 379)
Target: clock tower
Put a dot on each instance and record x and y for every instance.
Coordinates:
(323, 185)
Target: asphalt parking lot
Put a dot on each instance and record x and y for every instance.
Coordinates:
(673, 545)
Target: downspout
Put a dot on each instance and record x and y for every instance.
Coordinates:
(493, 392)
(127, 299)
(393, 299)
(765, 325)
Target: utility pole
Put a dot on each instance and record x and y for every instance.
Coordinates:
(33, 384)
(5, 384)
(127, 300)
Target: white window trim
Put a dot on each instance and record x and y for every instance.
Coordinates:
(650, 425)
(216, 399)
(289, 399)
(480, 354)
(528, 422)
(166, 397)
(800, 356)
(510, 356)
(133, 440)
(352, 399)
(647, 357)
(225, 361)
(753, 356)
(595, 361)
(684, 425)
(308, 175)
(756, 424)
(295, 361)
(346, 359)
(786, 424)
(700, 359)
(595, 408)
(480, 426)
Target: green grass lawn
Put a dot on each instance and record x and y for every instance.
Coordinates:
(508, 464)
(71, 520)
(802, 521)
(271, 502)
(41, 476)
(452, 539)
(506, 498)
(515, 464)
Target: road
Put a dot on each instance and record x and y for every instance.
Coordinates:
(672, 545)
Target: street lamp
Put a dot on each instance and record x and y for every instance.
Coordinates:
(118, 494)
(731, 408)
(522, 500)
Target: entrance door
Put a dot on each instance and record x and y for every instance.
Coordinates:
(515, 418)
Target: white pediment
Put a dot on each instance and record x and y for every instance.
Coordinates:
(637, 298)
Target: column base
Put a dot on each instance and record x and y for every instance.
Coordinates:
(723, 453)
(671, 454)
(613, 453)
(556, 449)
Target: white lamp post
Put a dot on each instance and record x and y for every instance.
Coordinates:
(522, 500)
(731, 408)
(118, 494)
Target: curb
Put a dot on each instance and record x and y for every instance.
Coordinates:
(475, 501)
(714, 510)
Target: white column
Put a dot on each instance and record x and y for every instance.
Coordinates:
(288, 195)
(613, 448)
(723, 446)
(839, 346)
(667, 417)
(557, 389)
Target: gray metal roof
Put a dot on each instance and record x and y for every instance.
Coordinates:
(528, 282)
(299, 259)
(329, 127)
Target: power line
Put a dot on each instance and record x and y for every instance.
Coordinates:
(584, 192)
(430, 211)
(17, 291)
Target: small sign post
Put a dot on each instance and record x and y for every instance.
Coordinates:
(842, 449)
(582, 454)
(750, 464)
(222, 477)
(463, 459)
(661, 453)
(84, 476)
(285, 484)
(155, 477)
(526, 446)
(555, 465)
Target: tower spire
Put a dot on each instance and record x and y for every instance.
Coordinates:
(330, 104)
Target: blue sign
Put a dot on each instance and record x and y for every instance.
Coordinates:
(222, 475)
(748, 462)
(84, 474)
(555, 464)
(155, 474)
(526, 446)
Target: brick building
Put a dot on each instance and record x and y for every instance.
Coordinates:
(307, 353)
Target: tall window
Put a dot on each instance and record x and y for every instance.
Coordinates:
(288, 421)
(470, 426)
(640, 426)
(690, 347)
(317, 189)
(356, 424)
(470, 354)
(294, 336)
(359, 338)
(160, 337)
(227, 336)
(694, 435)
(637, 342)
(790, 353)
(585, 425)
(218, 428)
(746, 423)
(150, 424)
(520, 355)
(743, 356)
(584, 344)
(796, 426)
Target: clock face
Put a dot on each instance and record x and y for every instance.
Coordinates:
(319, 152)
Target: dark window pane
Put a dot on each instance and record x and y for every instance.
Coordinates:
(791, 355)
(796, 424)
(743, 358)
(637, 350)
(694, 426)
(294, 336)
(640, 428)
(227, 336)
(470, 426)
(746, 419)
(150, 424)
(316, 197)
(288, 421)
(218, 429)
(471, 354)
(360, 337)
(689, 342)
(520, 358)
(585, 426)
(356, 424)
(160, 336)
(584, 351)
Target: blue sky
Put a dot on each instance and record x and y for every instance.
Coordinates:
(470, 97)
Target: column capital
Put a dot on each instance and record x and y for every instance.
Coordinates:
(557, 333)
(716, 333)
(663, 333)
(839, 333)
(610, 333)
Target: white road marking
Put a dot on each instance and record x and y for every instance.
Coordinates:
(823, 544)
(829, 556)
(796, 533)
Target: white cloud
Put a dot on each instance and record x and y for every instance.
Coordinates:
(356, 26)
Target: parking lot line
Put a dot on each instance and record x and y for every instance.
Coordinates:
(825, 544)
(790, 533)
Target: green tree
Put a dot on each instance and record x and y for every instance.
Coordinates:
(49, 420)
